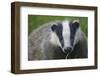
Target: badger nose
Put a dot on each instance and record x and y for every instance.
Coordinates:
(68, 49)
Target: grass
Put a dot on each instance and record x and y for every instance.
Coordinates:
(34, 21)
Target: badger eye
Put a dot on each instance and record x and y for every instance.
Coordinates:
(61, 39)
(62, 42)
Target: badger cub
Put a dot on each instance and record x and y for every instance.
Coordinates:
(59, 40)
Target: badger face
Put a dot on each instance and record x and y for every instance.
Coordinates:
(63, 34)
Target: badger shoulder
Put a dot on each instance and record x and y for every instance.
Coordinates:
(39, 44)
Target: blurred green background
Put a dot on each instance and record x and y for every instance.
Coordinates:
(34, 21)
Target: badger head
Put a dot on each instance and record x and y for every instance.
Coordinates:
(63, 34)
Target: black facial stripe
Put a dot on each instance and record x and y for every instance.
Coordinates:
(59, 30)
(73, 30)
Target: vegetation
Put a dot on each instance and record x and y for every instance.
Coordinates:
(34, 21)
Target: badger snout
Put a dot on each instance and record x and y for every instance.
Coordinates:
(67, 49)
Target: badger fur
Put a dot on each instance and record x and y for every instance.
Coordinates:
(54, 41)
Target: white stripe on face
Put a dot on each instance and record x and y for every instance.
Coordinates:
(66, 34)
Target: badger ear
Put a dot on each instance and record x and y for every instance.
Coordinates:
(76, 23)
(53, 27)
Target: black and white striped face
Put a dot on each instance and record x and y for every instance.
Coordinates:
(63, 34)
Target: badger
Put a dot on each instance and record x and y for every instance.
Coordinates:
(57, 40)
